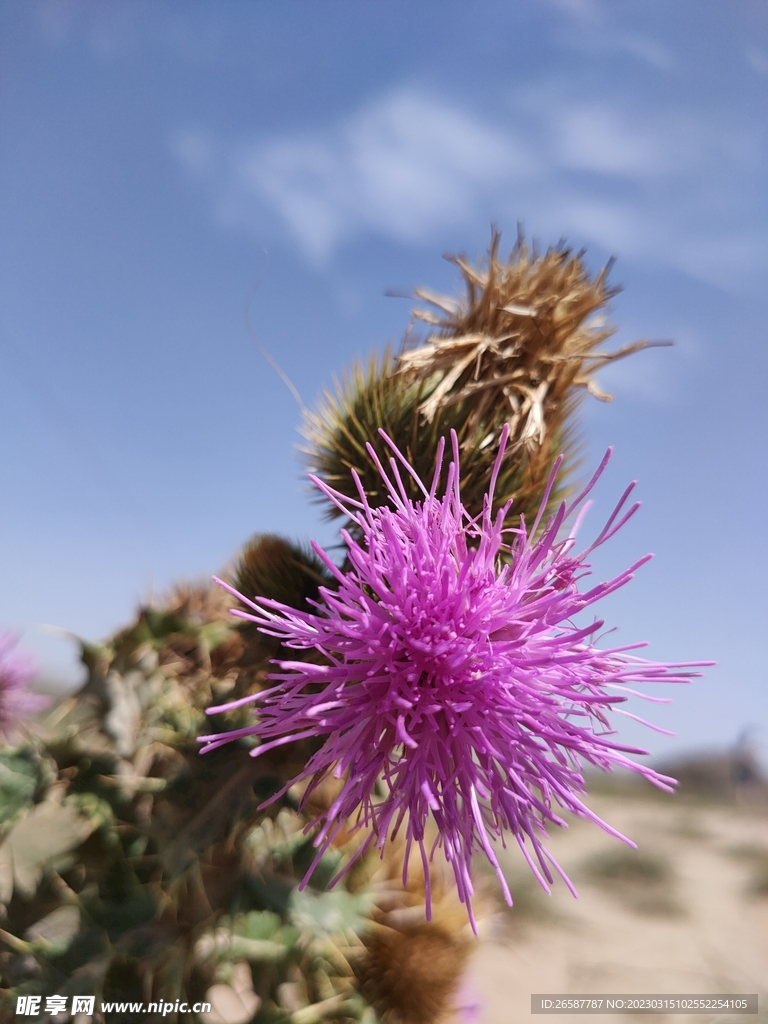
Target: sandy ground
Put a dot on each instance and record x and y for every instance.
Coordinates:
(687, 914)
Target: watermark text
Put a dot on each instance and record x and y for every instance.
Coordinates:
(54, 1006)
(654, 1003)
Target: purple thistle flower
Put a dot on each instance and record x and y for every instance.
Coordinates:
(16, 701)
(453, 673)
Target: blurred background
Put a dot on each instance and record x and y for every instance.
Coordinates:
(166, 166)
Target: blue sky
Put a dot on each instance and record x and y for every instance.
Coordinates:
(164, 164)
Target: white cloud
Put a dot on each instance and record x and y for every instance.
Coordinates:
(613, 136)
(401, 167)
(674, 184)
(594, 137)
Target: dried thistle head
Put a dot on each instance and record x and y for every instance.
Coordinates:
(523, 341)
(525, 336)
(520, 348)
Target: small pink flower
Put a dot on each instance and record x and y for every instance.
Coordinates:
(16, 701)
(454, 680)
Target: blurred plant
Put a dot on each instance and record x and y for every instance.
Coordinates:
(642, 880)
(758, 885)
(134, 870)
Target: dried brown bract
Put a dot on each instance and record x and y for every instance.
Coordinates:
(524, 339)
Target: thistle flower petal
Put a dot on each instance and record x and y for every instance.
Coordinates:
(453, 674)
